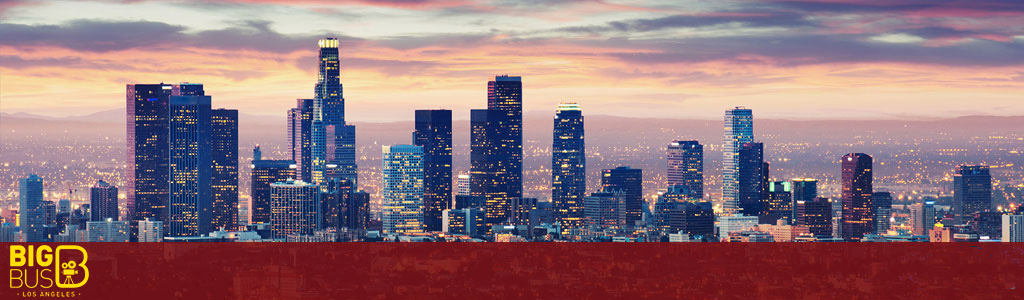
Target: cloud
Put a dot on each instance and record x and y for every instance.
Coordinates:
(106, 36)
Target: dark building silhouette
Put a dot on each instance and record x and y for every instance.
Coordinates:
(803, 189)
(972, 192)
(883, 211)
(750, 176)
(779, 202)
(434, 133)
(265, 172)
(355, 210)
(103, 201)
(686, 167)
(224, 154)
(568, 166)
(522, 208)
(858, 211)
(629, 182)
(490, 165)
(694, 218)
(148, 151)
(190, 202)
(816, 215)
(300, 122)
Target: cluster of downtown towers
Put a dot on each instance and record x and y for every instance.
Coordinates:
(183, 171)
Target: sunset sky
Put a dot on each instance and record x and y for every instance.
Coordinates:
(689, 59)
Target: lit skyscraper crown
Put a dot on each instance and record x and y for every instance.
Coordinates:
(328, 43)
(568, 107)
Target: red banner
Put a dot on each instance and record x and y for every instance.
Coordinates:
(524, 270)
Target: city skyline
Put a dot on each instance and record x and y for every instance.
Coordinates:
(900, 58)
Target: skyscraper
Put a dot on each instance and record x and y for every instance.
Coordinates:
(739, 129)
(489, 170)
(972, 192)
(1013, 228)
(295, 208)
(103, 201)
(568, 166)
(505, 94)
(779, 203)
(341, 154)
(264, 173)
(629, 182)
(434, 133)
(883, 210)
(816, 215)
(750, 178)
(148, 173)
(30, 210)
(463, 185)
(224, 158)
(328, 108)
(190, 201)
(605, 211)
(922, 217)
(402, 208)
(858, 211)
(686, 167)
(803, 189)
(300, 135)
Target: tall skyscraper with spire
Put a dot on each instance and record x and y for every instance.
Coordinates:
(333, 142)
(568, 166)
(739, 129)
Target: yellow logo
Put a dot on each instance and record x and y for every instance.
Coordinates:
(44, 267)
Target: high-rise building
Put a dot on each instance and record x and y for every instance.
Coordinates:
(402, 206)
(505, 94)
(1013, 228)
(468, 221)
(628, 182)
(434, 133)
(463, 185)
(224, 158)
(190, 163)
(341, 154)
(151, 231)
(972, 192)
(568, 166)
(294, 208)
(858, 212)
(489, 165)
(328, 110)
(355, 210)
(300, 135)
(108, 230)
(264, 173)
(522, 209)
(148, 172)
(883, 210)
(30, 209)
(64, 205)
(686, 167)
(922, 217)
(103, 201)
(739, 130)
(779, 202)
(803, 189)
(694, 218)
(605, 211)
(816, 215)
(750, 178)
